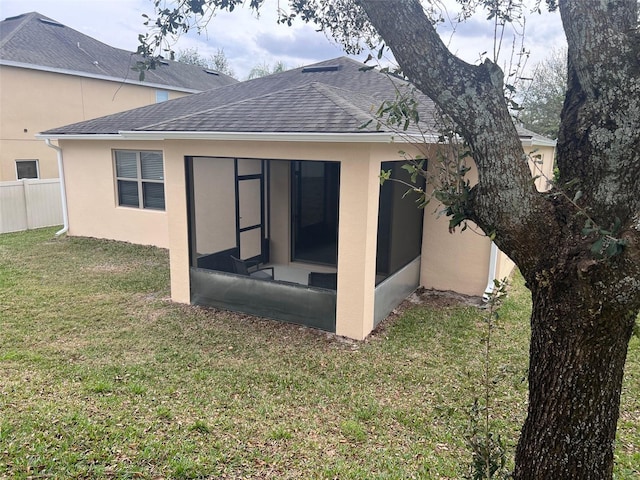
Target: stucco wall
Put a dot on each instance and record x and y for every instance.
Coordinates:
(458, 261)
(33, 101)
(91, 196)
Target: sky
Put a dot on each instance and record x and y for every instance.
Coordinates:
(249, 41)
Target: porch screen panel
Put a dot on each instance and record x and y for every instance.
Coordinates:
(250, 243)
(399, 223)
(249, 166)
(214, 204)
(249, 202)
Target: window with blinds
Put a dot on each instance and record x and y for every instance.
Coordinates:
(27, 169)
(140, 179)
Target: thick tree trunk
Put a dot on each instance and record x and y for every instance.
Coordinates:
(577, 360)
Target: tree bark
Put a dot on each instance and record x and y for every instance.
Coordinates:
(577, 360)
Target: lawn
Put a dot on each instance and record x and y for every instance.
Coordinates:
(103, 377)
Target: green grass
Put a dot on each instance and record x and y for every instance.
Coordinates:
(101, 376)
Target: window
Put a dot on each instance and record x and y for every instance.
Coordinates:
(140, 179)
(162, 96)
(27, 169)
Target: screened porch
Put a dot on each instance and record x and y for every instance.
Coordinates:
(263, 238)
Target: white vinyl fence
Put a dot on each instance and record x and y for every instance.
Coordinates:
(28, 204)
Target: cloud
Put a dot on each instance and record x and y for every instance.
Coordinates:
(249, 40)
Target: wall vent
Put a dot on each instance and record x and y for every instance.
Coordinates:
(51, 22)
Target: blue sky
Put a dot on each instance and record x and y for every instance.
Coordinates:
(249, 41)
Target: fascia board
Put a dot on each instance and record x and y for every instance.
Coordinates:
(382, 137)
(76, 73)
(110, 136)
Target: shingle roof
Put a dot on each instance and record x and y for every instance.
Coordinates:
(334, 96)
(31, 39)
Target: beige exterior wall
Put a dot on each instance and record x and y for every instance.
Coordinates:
(541, 164)
(33, 101)
(458, 261)
(92, 201)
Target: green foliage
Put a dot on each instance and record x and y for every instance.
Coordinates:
(606, 244)
(217, 62)
(169, 23)
(265, 69)
(489, 457)
(447, 177)
(541, 102)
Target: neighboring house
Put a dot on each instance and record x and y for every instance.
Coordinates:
(52, 75)
(281, 170)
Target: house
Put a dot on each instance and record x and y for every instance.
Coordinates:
(283, 171)
(52, 75)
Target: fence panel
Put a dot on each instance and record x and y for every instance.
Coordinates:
(28, 204)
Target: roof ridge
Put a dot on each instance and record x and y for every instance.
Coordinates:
(27, 17)
(331, 93)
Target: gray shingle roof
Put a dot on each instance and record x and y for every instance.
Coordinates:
(334, 96)
(31, 39)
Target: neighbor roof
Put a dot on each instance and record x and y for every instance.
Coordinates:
(334, 96)
(34, 41)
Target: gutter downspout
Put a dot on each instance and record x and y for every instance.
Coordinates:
(63, 189)
(493, 260)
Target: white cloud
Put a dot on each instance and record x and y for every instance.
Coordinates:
(248, 40)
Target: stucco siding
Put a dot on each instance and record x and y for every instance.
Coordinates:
(92, 198)
(33, 101)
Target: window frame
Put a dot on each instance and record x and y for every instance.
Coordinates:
(27, 160)
(138, 180)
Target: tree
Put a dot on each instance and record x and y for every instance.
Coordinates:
(542, 100)
(265, 69)
(217, 62)
(577, 246)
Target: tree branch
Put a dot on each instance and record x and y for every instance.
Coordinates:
(505, 200)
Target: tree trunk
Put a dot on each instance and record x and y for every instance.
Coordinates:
(577, 359)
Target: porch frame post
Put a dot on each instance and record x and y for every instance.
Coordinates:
(178, 225)
(357, 243)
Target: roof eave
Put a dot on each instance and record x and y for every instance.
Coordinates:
(365, 137)
(537, 142)
(80, 136)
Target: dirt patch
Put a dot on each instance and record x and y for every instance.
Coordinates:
(110, 268)
(438, 298)
(427, 297)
